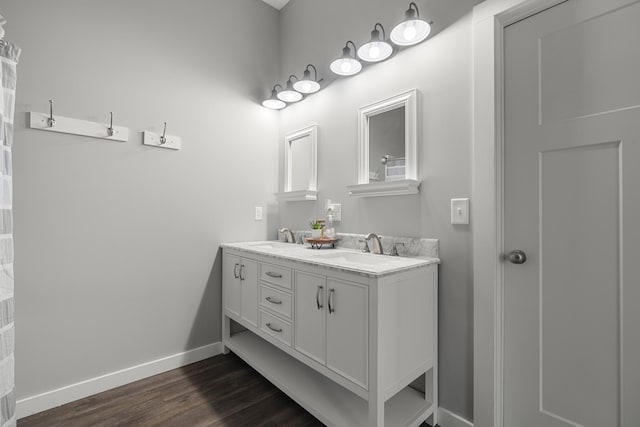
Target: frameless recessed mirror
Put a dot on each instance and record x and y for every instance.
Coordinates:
(300, 167)
(387, 147)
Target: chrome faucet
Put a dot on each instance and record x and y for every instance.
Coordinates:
(377, 245)
(288, 235)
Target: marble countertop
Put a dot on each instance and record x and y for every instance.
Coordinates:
(342, 259)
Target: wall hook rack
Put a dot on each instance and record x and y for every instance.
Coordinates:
(163, 140)
(46, 122)
(110, 129)
(51, 122)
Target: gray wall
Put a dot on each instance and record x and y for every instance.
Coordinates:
(441, 69)
(116, 244)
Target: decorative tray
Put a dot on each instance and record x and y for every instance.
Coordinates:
(319, 242)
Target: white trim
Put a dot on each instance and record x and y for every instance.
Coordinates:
(51, 399)
(408, 100)
(311, 192)
(386, 188)
(447, 418)
(490, 19)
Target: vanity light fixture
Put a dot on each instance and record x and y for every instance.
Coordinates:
(376, 49)
(412, 30)
(273, 102)
(306, 84)
(346, 65)
(288, 94)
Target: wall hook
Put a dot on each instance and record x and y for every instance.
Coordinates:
(163, 138)
(51, 121)
(110, 128)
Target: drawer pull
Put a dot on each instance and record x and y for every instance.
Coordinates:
(318, 303)
(241, 270)
(274, 329)
(235, 271)
(273, 300)
(272, 274)
(332, 309)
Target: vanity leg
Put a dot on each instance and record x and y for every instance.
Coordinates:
(376, 410)
(226, 333)
(376, 396)
(436, 403)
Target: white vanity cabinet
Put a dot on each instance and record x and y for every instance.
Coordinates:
(240, 283)
(331, 324)
(345, 345)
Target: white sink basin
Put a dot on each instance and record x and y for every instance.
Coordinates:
(353, 258)
(267, 245)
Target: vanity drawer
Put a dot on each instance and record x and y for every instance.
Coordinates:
(275, 300)
(275, 327)
(275, 274)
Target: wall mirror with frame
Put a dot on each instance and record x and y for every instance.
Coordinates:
(300, 165)
(387, 147)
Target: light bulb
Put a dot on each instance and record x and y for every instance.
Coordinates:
(306, 87)
(345, 66)
(409, 32)
(374, 52)
(290, 96)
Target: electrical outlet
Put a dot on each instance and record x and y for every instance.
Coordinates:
(258, 213)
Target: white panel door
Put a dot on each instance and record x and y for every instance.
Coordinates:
(310, 315)
(231, 283)
(249, 289)
(347, 330)
(572, 205)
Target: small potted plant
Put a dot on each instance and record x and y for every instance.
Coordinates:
(316, 228)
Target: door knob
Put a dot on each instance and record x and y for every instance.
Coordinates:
(517, 257)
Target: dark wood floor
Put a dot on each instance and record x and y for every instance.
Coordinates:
(220, 391)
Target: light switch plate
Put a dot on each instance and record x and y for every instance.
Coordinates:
(459, 211)
(258, 213)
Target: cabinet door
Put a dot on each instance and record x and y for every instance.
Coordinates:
(249, 291)
(309, 311)
(231, 283)
(347, 330)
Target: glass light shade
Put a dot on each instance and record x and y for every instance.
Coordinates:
(274, 104)
(375, 51)
(410, 32)
(346, 66)
(306, 86)
(289, 95)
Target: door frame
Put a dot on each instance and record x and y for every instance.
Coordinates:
(489, 21)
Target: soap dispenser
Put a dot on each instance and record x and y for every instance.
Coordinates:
(329, 231)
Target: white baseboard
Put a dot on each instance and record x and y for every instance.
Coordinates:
(51, 399)
(449, 419)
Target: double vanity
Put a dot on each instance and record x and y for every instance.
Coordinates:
(345, 334)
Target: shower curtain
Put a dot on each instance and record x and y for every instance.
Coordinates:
(8, 60)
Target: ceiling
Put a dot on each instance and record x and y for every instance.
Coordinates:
(278, 4)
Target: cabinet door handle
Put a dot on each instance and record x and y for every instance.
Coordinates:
(273, 328)
(235, 271)
(273, 300)
(272, 274)
(331, 307)
(241, 270)
(318, 303)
